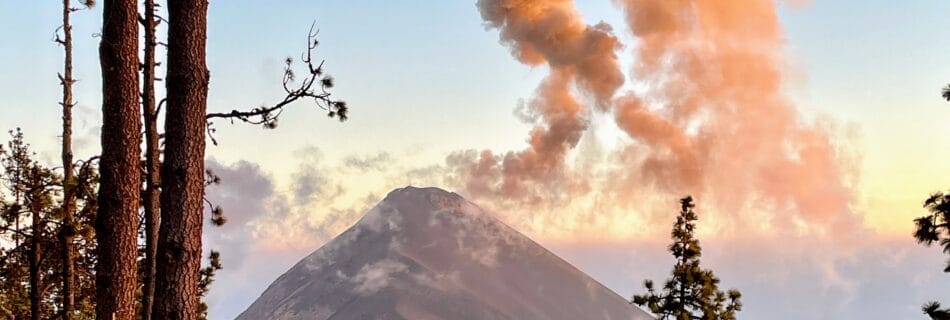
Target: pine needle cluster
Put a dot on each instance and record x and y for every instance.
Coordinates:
(692, 292)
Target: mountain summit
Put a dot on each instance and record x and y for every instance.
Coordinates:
(424, 253)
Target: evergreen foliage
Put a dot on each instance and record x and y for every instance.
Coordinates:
(691, 292)
(49, 252)
(30, 222)
(933, 310)
(207, 277)
(935, 226)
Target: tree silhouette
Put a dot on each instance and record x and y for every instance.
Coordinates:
(692, 292)
(207, 277)
(933, 310)
(68, 239)
(67, 234)
(31, 277)
(314, 87)
(34, 184)
(152, 163)
(934, 226)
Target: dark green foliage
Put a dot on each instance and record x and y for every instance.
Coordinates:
(217, 213)
(26, 220)
(14, 293)
(933, 310)
(217, 216)
(214, 258)
(934, 227)
(31, 219)
(207, 277)
(692, 292)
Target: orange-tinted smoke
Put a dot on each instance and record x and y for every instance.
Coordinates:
(708, 118)
(552, 33)
(717, 123)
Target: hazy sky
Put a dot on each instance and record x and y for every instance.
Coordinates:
(427, 79)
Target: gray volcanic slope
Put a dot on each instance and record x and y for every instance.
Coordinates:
(424, 253)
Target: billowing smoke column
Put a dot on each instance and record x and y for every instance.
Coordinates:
(717, 123)
(708, 118)
(551, 33)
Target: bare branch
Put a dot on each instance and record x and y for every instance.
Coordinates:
(85, 164)
(158, 109)
(315, 86)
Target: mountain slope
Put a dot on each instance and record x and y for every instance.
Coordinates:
(424, 253)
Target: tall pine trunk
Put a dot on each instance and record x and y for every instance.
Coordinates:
(179, 248)
(152, 162)
(67, 232)
(36, 237)
(34, 267)
(120, 170)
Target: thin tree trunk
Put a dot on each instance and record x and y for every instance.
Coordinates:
(18, 180)
(35, 238)
(120, 170)
(35, 300)
(152, 163)
(179, 248)
(67, 232)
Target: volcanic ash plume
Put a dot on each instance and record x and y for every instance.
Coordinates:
(720, 126)
(551, 33)
(708, 118)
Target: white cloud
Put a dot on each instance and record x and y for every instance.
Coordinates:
(373, 277)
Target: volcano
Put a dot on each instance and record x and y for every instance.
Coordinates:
(424, 253)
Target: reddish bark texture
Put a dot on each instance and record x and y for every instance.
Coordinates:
(152, 162)
(120, 170)
(179, 247)
(67, 234)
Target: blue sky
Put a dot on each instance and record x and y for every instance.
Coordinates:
(426, 78)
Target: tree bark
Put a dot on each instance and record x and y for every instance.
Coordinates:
(67, 232)
(152, 162)
(35, 240)
(179, 248)
(120, 170)
(34, 266)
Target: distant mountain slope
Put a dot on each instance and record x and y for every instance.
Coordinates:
(424, 253)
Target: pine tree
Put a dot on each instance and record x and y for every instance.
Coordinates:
(179, 244)
(177, 260)
(33, 200)
(151, 194)
(39, 201)
(207, 277)
(120, 171)
(935, 228)
(692, 292)
(68, 229)
(31, 278)
(67, 234)
(84, 240)
(933, 310)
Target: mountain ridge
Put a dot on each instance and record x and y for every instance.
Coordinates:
(425, 253)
